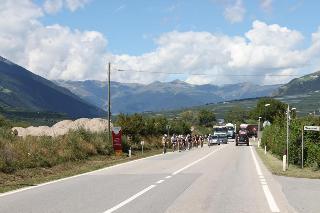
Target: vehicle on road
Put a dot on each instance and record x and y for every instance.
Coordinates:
(242, 138)
(213, 139)
(231, 131)
(222, 133)
(252, 130)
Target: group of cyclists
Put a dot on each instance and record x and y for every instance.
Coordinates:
(182, 142)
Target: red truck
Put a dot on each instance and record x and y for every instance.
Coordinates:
(252, 130)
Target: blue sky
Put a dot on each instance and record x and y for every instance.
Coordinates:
(272, 41)
(131, 26)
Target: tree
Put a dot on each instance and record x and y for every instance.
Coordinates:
(179, 127)
(189, 117)
(206, 117)
(130, 124)
(269, 109)
(236, 115)
(160, 125)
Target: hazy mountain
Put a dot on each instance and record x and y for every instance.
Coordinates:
(158, 96)
(20, 88)
(302, 85)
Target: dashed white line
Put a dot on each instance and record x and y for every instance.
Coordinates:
(130, 199)
(197, 161)
(272, 204)
(160, 181)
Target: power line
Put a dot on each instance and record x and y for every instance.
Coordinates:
(205, 74)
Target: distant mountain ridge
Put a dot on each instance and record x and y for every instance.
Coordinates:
(21, 89)
(157, 96)
(302, 85)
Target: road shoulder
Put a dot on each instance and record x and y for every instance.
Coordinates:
(275, 187)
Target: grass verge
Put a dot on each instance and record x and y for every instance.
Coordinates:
(31, 177)
(275, 166)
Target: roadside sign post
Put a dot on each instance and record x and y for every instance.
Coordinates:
(307, 128)
(130, 152)
(302, 147)
(116, 140)
(142, 144)
(284, 163)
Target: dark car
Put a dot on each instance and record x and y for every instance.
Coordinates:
(242, 138)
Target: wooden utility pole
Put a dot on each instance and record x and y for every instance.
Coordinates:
(109, 102)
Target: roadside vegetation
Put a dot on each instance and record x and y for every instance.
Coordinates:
(274, 164)
(274, 137)
(32, 160)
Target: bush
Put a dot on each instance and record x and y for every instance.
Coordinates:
(274, 137)
(17, 153)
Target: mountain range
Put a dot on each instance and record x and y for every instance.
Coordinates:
(157, 96)
(303, 85)
(23, 90)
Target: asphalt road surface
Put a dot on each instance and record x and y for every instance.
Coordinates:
(221, 178)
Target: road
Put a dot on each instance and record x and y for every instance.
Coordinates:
(221, 178)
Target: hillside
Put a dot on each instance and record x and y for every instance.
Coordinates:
(302, 85)
(302, 93)
(157, 96)
(21, 89)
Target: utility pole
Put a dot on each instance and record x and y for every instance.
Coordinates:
(288, 118)
(109, 101)
(259, 127)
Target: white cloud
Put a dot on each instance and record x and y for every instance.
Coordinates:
(54, 52)
(235, 13)
(58, 52)
(273, 35)
(54, 6)
(265, 51)
(266, 5)
(76, 4)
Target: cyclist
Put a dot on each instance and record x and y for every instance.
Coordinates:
(201, 140)
(174, 142)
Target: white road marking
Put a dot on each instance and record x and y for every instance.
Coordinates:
(130, 199)
(75, 176)
(272, 204)
(152, 186)
(160, 181)
(197, 161)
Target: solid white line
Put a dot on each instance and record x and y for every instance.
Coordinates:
(272, 204)
(160, 181)
(130, 199)
(75, 176)
(197, 161)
